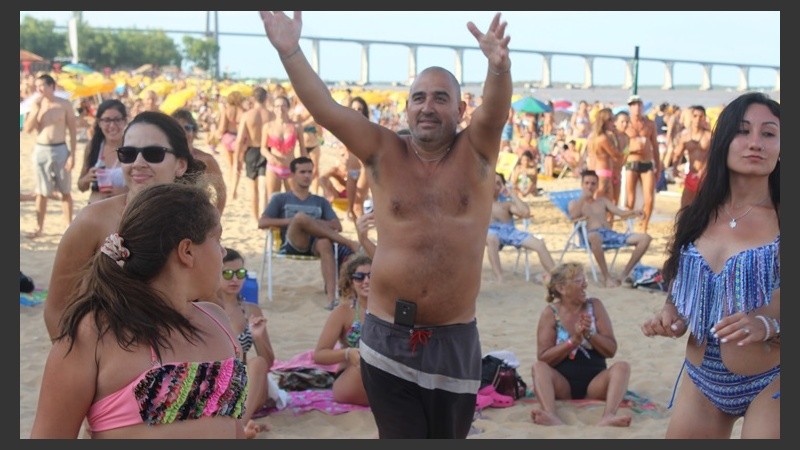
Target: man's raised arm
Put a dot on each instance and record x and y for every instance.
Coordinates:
(345, 123)
(490, 117)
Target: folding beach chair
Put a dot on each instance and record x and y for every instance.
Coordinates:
(272, 246)
(579, 237)
(522, 252)
(505, 164)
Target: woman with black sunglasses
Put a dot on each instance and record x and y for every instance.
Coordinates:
(250, 328)
(154, 151)
(344, 327)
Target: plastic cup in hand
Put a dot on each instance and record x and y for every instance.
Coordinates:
(103, 180)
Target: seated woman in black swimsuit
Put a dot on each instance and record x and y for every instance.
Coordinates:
(574, 338)
(344, 326)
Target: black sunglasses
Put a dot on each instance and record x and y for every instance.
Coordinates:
(240, 273)
(360, 276)
(151, 153)
(189, 127)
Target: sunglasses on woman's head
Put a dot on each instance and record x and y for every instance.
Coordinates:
(360, 276)
(152, 153)
(190, 128)
(240, 273)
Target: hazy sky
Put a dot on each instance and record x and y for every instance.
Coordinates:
(747, 37)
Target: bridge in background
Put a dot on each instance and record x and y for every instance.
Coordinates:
(546, 80)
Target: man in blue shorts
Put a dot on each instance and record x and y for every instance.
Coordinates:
(503, 232)
(308, 224)
(595, 211)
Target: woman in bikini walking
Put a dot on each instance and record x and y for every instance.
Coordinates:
(230, 115)
(279, 139)
(606, 155)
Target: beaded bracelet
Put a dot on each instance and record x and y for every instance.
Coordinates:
(766, 325)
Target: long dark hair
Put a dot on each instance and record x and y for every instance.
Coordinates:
(90, 157)
(120, 298)
(715, 189)
(363, 103)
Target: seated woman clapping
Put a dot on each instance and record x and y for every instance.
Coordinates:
(344, 326)
(574, 337)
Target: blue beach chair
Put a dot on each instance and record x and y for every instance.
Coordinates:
(579, 237)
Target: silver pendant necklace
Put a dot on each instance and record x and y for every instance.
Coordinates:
(733, 222)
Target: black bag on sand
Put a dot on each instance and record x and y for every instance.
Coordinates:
(504, 378)
(25, 283)
(489, 368)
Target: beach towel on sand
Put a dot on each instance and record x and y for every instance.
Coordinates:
(302, 377)
(632, 400)
(37, 297)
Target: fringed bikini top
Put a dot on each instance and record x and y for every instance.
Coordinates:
(745, 283)
(175, 391)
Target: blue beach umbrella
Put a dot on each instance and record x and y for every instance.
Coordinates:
(531, 105)
(78, 69)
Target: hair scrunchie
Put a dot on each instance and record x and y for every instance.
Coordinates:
(114, 249)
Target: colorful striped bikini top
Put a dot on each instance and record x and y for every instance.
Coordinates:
(176, 391)
(745, 283)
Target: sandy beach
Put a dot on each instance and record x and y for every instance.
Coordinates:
(507, 317)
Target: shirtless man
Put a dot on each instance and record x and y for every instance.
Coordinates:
(643, 163)
(693, 142)
(51, 118)
(248, 149)
(595, 210)
(502, 230)
(433, 191)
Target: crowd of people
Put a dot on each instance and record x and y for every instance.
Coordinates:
(142, 287)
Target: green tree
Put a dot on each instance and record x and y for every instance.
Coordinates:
(100, 48)
(40, 37)
(202, 52)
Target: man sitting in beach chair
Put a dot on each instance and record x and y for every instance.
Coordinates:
(595, 211)
(503, 232)
(308, 224)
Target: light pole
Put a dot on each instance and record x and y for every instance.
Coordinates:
(72, 28)
(636, 70)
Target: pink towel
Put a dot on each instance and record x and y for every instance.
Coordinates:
(321, 400)
(305, 359)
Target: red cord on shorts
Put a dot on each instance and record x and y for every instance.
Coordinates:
(419, 337)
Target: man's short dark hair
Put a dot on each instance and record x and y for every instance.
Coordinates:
(260, 94)
(48, 80)
(299, 160)
(700, 108)
(589, 173)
